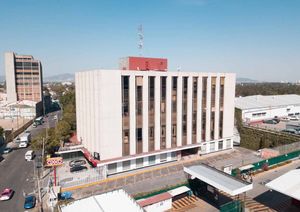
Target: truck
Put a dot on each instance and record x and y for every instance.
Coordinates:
(26, 137)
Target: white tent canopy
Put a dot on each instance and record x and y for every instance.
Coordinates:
(218, 179)
(288, 184)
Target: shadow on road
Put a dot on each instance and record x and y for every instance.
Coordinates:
(276, 201)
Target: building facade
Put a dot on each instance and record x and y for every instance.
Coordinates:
(23, 78)
(133, 119)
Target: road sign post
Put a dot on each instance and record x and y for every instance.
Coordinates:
(54, 162)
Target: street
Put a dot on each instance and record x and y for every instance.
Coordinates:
(269, 198)
(16, 173)
(49, 122)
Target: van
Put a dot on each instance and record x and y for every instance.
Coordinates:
(29, 155)
(23, 145)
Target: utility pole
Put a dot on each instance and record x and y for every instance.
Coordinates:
(43, 152)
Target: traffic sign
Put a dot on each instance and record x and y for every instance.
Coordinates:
(57, 161)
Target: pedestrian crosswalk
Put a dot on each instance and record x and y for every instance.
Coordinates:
(184, 203)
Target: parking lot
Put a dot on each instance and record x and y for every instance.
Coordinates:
(66, 178)
(282, 125)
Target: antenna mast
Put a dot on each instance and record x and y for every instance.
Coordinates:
(141, 39)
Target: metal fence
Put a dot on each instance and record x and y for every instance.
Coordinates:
(234, 206)
(84, 177)
(272, 161)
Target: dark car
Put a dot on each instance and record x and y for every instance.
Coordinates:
(270, 121)
(78, 168)
(29, 202)
(7, 150)
(290, 131)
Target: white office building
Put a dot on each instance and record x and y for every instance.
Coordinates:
(133, 119)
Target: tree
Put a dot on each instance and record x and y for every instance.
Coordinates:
(1, 131)
(62, 130)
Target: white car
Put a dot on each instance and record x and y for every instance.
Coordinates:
(294, 118)
(29, 155)
(23, 145)
(284, 119)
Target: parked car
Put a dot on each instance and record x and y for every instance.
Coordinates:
(78, 168)
(6, 194)
(294, 118)
(291, 131)
(270, 121)
(74, 163)
(285, 118)
(7, 150)
(65, 195)
(276, 119)
(29, 202)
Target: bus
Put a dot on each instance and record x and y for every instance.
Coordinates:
(38, 121)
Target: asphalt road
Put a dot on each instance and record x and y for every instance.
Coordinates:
(49, 122)
(16, 173)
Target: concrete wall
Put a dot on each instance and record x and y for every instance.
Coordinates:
(10, 77)
(98, 106)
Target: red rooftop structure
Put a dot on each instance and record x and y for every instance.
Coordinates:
(143, 64)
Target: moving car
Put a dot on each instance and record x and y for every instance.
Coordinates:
(29, 202)
(7, 150)
(6, 194)
(29, 155)
(77, 168)
(23, 145)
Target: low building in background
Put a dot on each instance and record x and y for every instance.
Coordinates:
(257, 108)
(22, 109)
(134, 119)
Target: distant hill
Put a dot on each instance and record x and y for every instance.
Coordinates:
(245, 80)
(60, 78)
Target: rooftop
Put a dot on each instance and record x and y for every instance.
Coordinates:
(155, 199)
(288, 184)
(114, 201)
(218, 179)
(259, 101)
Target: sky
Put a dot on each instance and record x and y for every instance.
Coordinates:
(257, 39)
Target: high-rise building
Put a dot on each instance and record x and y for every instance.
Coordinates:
(23, 78)
(133, 119)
